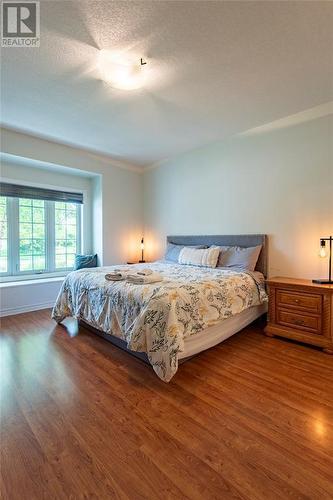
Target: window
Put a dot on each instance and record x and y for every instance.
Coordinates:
(32, 236)
(38, 236)
(65, 234)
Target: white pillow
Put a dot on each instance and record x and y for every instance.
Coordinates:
(199, 257)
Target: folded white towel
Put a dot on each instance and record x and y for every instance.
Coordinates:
(141, 276)
(143, 272)
(142, 279)
(116, 275)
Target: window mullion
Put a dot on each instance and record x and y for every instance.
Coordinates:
(8, 222)
(50, 235)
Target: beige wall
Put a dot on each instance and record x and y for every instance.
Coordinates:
(278, 182)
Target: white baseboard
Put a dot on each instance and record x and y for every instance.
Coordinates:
(23, 309)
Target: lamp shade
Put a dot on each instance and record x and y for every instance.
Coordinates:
(322, 251)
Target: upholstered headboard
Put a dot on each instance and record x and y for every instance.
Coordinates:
(241, 240)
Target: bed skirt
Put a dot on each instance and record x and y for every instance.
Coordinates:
(197, 343)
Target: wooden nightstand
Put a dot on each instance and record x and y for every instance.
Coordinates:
(301, 310)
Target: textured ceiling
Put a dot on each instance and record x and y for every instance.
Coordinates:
(215, 70)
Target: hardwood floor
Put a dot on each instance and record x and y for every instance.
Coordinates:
(251, 419)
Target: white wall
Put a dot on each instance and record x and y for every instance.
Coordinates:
(279, 182)
(97, 217)
(27, 296)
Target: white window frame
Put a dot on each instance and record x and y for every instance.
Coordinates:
(13, 273)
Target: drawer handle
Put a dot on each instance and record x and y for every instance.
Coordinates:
(299, 322)
(297, 301)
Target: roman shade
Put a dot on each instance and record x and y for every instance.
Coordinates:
(19, 191)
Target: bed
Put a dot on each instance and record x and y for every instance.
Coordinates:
(191, 310)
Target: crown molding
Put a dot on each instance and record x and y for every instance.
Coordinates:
(307, 115)
(92, 153)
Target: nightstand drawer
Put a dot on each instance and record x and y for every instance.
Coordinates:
(305, 301)
(300, 321)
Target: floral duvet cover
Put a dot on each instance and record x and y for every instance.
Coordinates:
(156, 318)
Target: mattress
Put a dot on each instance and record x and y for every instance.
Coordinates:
(213, 335)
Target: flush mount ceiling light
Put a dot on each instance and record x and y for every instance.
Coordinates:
(121, 71)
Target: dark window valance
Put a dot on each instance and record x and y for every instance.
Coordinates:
(19, 191)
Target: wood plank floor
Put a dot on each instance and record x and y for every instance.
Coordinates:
(251, 419)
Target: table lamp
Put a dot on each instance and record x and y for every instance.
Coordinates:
(323, 253)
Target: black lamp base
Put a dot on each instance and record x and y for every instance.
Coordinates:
(142, 261)
(323, 282)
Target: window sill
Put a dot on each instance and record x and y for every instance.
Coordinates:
(39, 281)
